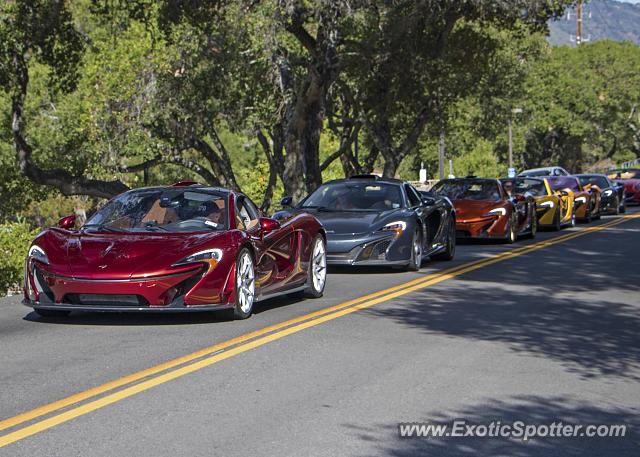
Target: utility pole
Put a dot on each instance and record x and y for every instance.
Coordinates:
(579, 23)
(441, 155)
(510, 143)
(510, 124)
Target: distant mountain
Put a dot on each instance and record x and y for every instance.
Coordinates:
(602, 19)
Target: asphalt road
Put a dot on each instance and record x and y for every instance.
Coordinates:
(541, 334)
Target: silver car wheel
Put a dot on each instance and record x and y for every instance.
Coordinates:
(245, 281)
(319, 266)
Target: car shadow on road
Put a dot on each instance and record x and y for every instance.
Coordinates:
(528, 409)
(160, 318)
(585, 318)
(363, 270)
(129, 319)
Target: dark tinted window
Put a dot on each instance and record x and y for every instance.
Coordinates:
(247, 214)
(412, 195)
(533, 186)
(355, 196)
(600, 181)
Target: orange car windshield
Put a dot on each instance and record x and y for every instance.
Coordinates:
(469, 189)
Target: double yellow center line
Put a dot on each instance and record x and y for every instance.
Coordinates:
(141, 381)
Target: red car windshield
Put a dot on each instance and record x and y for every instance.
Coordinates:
(162, 210)
(564, 182)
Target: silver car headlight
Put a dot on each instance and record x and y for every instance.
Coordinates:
(496, 212)
(37, 253)
(211, 256)
(397, 226)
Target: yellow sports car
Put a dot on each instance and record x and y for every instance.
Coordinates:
(555, 209)
(587, 201)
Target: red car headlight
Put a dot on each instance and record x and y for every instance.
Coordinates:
(210, 256)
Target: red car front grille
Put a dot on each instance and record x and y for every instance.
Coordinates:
(106, 300)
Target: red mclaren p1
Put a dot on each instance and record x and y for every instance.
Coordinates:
(179, 248)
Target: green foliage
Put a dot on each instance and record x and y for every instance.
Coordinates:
(582, 104)
(254, 179)
(15, 239)
(114, 83)
(42, 30)
(479, 161)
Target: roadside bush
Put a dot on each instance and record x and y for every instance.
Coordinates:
(15, 238)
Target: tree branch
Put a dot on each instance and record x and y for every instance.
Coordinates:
(65, 182)
(342, 149)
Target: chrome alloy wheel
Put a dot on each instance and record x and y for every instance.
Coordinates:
(513, 236)
(319, 266)
(417, 250)
(245, 281)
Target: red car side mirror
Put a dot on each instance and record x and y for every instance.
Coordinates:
(268, 225)
(67, 222)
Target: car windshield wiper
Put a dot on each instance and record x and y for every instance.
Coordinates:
(103, 228)
(318, 208)
(153, 226)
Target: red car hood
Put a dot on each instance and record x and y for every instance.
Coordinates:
(471, 209)
(117, 255)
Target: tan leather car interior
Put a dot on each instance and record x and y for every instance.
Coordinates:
(161, 216)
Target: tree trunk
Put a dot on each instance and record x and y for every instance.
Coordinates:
(305, 101)
(369, 161)
(302, 141)
(383, 139)
(390, 166)
(275, 159)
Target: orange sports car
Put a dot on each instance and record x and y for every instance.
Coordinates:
(484, 209)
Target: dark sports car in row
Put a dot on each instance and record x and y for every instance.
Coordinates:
(612, 199)
(484, 209)
(375, 221)
(175, 248)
